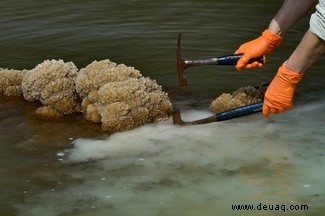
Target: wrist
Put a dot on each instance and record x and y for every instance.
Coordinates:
(275, 28)
(273, 39)
(288, 75)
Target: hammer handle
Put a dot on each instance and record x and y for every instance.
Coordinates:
(233, 59)
(239, 111)
(222, 60)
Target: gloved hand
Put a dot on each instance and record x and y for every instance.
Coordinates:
(264, 44)
(279, 94)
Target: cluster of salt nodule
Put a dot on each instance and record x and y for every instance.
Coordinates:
(115, 95)
(120, 97)
(242, 96)
(10, 82)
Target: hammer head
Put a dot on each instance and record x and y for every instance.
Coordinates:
(181, 66)
(177, 120)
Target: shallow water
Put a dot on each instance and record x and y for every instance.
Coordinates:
(165, 169)
(72, 167)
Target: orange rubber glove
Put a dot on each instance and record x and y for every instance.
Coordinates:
(280, 92)
(264, 44)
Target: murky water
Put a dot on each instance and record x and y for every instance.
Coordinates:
(72, 167)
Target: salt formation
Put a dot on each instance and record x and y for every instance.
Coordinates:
(116, 96)
(10, 82)
(242, 96)
(52, 83)
(119, 97)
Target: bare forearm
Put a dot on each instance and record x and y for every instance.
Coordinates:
(308, 51)
(288, 15)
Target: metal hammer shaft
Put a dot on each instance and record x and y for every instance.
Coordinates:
(182, 63)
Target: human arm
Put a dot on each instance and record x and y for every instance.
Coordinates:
(280, 92)
(287, 16)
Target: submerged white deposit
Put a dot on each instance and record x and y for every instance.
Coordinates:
(164, 169)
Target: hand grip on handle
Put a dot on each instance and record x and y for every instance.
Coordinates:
(233, 59)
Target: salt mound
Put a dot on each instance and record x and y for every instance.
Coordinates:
(119, 97)
(52, 83)
(10, 82)
(115, 95)
(242, 96)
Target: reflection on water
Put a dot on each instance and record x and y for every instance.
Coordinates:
(71, 167)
